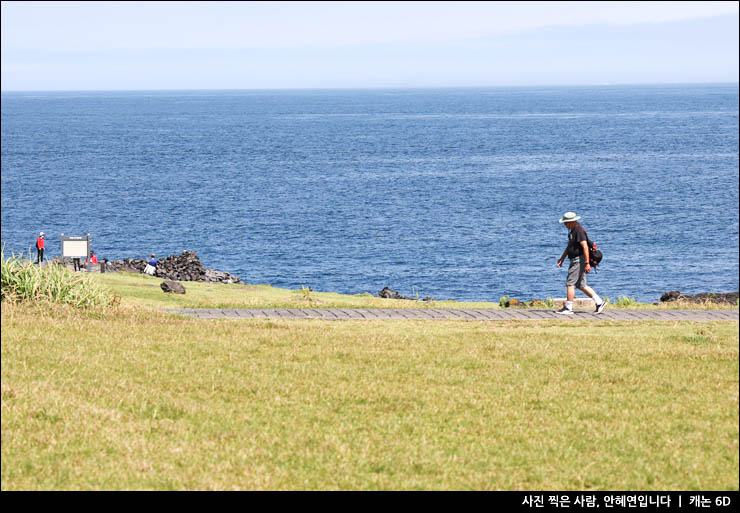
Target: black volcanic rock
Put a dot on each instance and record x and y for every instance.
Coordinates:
(183, 267)
(391, 294)
(704, 297)
(172, 286)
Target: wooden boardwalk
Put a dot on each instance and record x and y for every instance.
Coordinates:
(384, 314)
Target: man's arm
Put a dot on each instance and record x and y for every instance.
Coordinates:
(562, 257)
(586, 255)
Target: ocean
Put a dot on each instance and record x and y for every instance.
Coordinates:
(450, 193)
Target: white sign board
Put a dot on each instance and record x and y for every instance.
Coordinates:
(75, 247)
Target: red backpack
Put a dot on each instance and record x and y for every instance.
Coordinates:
(594, 252)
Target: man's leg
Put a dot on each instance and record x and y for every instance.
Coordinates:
(589, 292)
(571, 291)
(600, 303)
(575, 278)
(568, 306)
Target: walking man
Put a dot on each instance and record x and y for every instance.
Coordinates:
(577, 252)
(40, 248)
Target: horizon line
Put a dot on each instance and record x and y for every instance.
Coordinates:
(346, 88)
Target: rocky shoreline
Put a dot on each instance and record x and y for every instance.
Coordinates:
(184, 267)
(729, 298)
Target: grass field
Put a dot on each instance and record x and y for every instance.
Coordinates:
(132, 398)
(142, 290)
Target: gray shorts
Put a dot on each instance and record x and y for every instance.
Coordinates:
(576, 273)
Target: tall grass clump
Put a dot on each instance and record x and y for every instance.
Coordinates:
(624, 301)
(23, 280)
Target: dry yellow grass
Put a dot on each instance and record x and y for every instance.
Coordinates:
(138, 399)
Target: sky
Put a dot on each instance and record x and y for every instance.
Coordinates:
(57, 46)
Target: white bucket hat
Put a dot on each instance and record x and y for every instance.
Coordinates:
(41, 233)
(569, 217)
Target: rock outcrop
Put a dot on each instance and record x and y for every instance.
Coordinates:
(184, 267)
(704, 297)
(172, 286)
(392, 294)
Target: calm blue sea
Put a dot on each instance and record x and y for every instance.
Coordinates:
(450, 193)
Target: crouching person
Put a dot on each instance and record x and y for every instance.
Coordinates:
(151, 266)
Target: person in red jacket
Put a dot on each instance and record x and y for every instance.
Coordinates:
(92, 259)
(40, 248)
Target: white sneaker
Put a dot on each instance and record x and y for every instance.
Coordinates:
(600, 308)
(565, 311)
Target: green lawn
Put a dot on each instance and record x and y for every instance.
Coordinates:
(142, 290)
(133, 398)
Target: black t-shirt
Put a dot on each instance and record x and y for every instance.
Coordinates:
(575, 237)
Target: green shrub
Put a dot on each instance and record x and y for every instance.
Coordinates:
(23, 280)
(625, 301)
(502, 302)
(306, 293)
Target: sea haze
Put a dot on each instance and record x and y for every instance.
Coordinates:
(450, 193)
